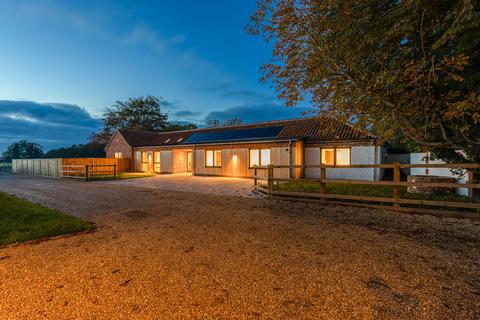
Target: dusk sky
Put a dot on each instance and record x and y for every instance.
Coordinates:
(62, 63)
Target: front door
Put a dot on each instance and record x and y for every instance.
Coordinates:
(189, 161)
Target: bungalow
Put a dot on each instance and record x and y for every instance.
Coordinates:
(234, 151)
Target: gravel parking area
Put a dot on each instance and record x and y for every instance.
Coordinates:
(162, 254)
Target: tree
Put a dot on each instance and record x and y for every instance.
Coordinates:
(400, 67)
(141, 113)
(23, 150)
(176, 126)
(214, 123)
(78, 151)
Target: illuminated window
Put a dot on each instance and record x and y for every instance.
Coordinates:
(118, 155)
(343, 156)
(213, 158)
(259, 157)
(336, 156)
(144, 161)
(218, 158)
(156, 161)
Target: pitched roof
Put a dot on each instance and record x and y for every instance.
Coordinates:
(310, 129)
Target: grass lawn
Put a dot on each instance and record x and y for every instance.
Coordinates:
(21, 220)
(367, 190)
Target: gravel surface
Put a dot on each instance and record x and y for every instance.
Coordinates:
(162, 254)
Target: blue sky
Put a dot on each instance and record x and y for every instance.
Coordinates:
(77, 57)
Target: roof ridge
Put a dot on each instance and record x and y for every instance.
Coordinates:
(224, 127)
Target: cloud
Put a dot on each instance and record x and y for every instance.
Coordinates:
(143, 35)
(50, 124)
(185, 114)
(258, 113)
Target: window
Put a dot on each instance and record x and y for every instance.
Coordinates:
(213, 158)
(156, 161)
(167, 141)
(179, 139)
(144, 161)
(259, 157)
(118, 155)
(336, 156)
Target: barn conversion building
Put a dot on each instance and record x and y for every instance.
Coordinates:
(234, 151)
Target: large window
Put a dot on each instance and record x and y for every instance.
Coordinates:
(336, 156)
(259, 157)
(156, 161)
(213, 158)
(144, 161)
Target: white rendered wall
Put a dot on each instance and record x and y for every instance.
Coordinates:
(417, 158)
(359, 155)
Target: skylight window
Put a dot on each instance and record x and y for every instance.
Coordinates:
(168, 140)
(179, 139)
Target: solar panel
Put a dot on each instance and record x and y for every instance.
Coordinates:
(234, 135)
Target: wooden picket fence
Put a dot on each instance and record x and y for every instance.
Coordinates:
(395, 202)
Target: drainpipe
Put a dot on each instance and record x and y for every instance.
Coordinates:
(193, 161)
(290, 158)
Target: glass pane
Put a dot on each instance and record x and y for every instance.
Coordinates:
(254, 157)
(156, 156)
(265, 157)
(328, 156)
(218, 158)
(156, 167)
(144, 156)
(343, 156)
(209, 158)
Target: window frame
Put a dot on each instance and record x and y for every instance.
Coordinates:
(335, 156)
(214, 152)
(259, 157)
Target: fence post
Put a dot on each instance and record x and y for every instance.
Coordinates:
(86, 172)
(114, 172)
(270, 178)
(323, 176)
(396, 189)
(255, 176)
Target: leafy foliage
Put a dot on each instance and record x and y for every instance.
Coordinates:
(140, 113)
(78, 151)
(214, 123)
(23, 150)
(400, 67)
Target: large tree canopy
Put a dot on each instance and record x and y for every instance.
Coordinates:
(141, 113)
(399, 67)
(23, 150)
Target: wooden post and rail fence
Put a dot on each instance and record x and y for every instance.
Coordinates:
(395, 202)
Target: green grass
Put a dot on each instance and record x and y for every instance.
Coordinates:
(367, 190)
(21, 220)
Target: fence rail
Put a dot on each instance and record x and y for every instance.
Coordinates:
(394, 202)
(89, 172)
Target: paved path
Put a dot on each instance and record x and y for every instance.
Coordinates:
(186, 182)
(163, 254)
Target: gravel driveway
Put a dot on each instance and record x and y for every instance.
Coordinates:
(161, 254)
